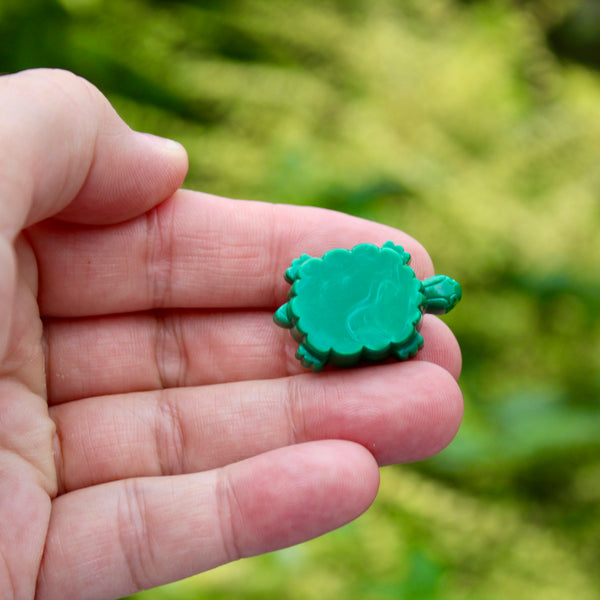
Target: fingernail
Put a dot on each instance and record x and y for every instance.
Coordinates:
(166, 144)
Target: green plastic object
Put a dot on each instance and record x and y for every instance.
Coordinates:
(357, 305)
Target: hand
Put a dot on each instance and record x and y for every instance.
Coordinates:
(153, 421)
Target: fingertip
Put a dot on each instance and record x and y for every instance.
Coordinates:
(360, 470)
(170, 151)
(420, 261)
(132, 173)
(306, 490)
(450, 418)
(441, 346)
(440, 404)
(429, 418)
(401, 412)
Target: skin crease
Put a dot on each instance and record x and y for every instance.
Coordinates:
(153, 421)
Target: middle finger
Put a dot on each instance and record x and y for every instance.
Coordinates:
(130, 353)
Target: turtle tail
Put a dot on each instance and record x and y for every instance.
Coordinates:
(442, 294)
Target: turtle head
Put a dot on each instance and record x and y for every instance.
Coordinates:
(442, 294)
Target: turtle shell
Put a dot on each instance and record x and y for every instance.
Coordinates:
(348, 305)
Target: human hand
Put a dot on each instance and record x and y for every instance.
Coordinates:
(154, 423)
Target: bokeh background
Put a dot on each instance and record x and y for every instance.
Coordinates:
(475, 127)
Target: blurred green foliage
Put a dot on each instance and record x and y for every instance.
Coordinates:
(475, 127)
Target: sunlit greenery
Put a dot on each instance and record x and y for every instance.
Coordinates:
(456, 122)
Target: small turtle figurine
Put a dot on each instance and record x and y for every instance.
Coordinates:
(363, 304)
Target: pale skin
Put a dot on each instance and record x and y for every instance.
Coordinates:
(154, 423)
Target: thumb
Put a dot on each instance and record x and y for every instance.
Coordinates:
(66, 152)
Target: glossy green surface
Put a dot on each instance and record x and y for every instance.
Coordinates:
(363, 304)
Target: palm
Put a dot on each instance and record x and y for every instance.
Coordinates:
(26, 434)
(172, 429)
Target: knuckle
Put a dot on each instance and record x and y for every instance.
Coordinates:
(295, 393)
(171, 357)
(159, 251)
(134, 538)
(229, 515)
(169, 436)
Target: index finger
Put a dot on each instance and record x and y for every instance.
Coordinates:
(194, 250)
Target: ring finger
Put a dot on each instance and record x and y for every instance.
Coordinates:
(407, 412)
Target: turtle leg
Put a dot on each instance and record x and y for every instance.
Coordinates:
(282, 317)
(309, 360)
(409, 348)
(398, 250)
(291, 273)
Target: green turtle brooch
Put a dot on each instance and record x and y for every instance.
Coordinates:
(360, 305)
